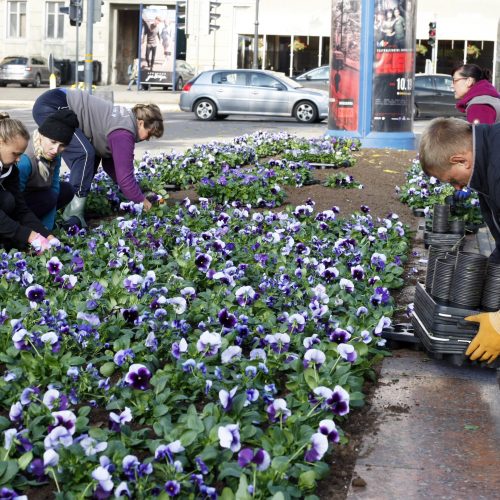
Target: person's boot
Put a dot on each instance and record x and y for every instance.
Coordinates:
(74, 212)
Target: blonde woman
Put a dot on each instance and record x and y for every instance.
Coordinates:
(19, 226)
(107, 133)
(39, 166)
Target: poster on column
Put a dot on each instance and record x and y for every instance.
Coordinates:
(344, 65)
(157, 49)
(393, 65)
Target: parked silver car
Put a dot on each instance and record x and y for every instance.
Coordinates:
(317, 78)
(26, 70)
(434, 96)
(219, 93)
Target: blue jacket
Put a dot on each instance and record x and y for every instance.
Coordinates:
(24, 165)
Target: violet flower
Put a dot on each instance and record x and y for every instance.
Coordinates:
(229, 437)
(347, 352)
(259, 458)
(138, 377)
(318, 447)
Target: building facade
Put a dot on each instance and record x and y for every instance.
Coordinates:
(293, 36)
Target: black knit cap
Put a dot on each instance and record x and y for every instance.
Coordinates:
(60, 126)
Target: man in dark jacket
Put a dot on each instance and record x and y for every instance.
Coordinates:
(466, 155)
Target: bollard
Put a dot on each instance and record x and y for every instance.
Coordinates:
(52, 81)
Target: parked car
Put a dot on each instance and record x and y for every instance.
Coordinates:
(219, 93)
(26, 70)
(318, 78)
(434, 96)
(183, 73)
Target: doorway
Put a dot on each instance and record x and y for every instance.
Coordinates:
(127, 42)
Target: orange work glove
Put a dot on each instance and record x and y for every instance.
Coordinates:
(485, 346)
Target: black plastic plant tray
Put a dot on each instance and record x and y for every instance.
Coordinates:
(400, 332)
(442, 239)
(437, 317)
(435, 343)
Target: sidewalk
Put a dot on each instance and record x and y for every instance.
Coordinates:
(167, 100)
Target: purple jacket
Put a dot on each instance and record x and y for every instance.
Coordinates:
(479, 113)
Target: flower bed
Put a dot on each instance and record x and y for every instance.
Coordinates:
(422, 192)
(193, 352)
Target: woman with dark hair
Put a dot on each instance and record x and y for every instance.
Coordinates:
(477, 97)
(107, 133)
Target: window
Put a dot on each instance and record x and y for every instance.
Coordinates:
(229, 78)
(55, 20)
(261, 80)
(443, 84)
(16, 14)
(424, 83)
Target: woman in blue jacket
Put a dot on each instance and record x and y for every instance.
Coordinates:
(40, 165)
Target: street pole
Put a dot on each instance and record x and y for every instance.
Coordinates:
(256, 37)
(88, 46)
(76, 53)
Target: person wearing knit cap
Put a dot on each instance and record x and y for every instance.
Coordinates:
(40, 165)
(106, 136)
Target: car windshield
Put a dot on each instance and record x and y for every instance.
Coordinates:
(288, 81)
(14, 60)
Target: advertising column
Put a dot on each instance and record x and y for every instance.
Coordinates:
(345, 65)
(372, 64)
(157, 48)
(393, 66)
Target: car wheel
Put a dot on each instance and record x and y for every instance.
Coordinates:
(179, 84)
(205, 109)
(222, 117)
(24, 84)
(3, 84)
(305, 112)
(37, 81)
(416, 112)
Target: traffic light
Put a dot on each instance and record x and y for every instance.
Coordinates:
(97, 10)
(213, 15)
(75, 12)
(432, 34)
(182, 17)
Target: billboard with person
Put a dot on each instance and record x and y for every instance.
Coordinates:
(157, 45)
(393, 65)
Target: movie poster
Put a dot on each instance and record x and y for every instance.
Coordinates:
(393, 65)
(157, 48)
(344, 65)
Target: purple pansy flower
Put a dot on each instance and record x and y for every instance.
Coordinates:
(229, 437)
(277, 410)
(138, 377)
(347, 352)
(260, 458)
(319, 446)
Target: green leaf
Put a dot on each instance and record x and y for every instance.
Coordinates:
(24, 460)
(310, 378)
(160, 410)
(278, 496)
(280, 464)
(242, 491)
(10, 471)
(307, 480)
(188, 438)
(227, 494)
(469, 427)
(107, 369)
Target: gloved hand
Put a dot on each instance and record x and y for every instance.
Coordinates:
(153, 198)
(40, 244)
(485, 346)
(462, 194)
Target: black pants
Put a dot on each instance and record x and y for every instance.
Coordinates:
(43, 201)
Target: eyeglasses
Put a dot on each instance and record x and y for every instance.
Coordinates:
(454, 80)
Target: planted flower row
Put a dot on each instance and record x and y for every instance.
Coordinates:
(422, 192)
(193, 352)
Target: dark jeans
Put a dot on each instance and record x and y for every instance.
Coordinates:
(79, 155)
(150, 55)
(43, 201)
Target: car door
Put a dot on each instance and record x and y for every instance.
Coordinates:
(445, 97)
(424, 94)
(230, 91)
(267, 95)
